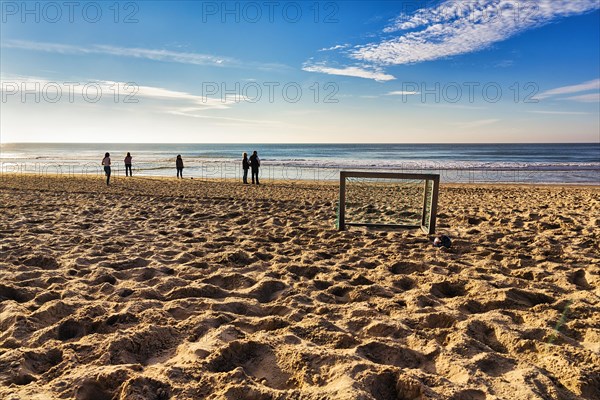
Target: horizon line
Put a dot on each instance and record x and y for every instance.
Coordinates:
(296, 143)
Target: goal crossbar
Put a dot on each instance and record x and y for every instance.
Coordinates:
(430, 200)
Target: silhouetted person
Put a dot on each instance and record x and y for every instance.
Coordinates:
(128, 165)
(255, 165)
(106, 164)
(179, 165)
(245, 167)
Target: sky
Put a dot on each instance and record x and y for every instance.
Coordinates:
(478, 71)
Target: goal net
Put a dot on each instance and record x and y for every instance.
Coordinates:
(388, 200)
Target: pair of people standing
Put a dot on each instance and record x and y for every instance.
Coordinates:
(106, 163)
(251, 163)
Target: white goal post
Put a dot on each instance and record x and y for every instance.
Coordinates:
(372, 192)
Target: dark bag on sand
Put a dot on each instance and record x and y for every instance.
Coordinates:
(442, 241)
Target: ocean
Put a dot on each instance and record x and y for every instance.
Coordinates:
(575, 163)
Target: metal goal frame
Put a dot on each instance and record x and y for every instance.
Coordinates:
(432, 182)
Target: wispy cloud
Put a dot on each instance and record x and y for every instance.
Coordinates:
(505, 64)
(452, 28)
(447, 105)
(202, 102)
(159, 99)
(354, 71)
(336, 47)
(593, 85)
(193, 112)
(586, 98)
(71, 91)
(401, 93)
(476, 124)
(559, 112)
(581, 87)
(136, 52)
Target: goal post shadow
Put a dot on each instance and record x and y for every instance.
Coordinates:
(429, 201)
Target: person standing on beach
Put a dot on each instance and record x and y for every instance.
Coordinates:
(245, 167)
(179, 165)
(128, 165)
(106, 164)
(255, 165)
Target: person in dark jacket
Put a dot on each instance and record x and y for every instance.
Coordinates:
(245, 167)
(128, 165)
(255, 165)
(179, 165)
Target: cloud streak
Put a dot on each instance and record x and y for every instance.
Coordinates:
(582, 87)
(353, 71)
(336, 47)
(135, 52)
(454, 28)
(559, 112)
(402, 93)
(171, 100)
(578, 89)
(192, 112)
(586, 98)
(141, 53)
(477, 124)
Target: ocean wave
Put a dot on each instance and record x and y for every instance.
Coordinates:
(325, 164)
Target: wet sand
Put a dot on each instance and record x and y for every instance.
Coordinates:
(189, 289)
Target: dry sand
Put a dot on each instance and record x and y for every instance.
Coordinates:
(165, 289)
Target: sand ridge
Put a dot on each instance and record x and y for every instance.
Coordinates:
(165, 289)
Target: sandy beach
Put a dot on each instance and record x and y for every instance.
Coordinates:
(190, 289)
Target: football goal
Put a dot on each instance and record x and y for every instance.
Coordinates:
(388, 200)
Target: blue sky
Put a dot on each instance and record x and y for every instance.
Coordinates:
(346, 71)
